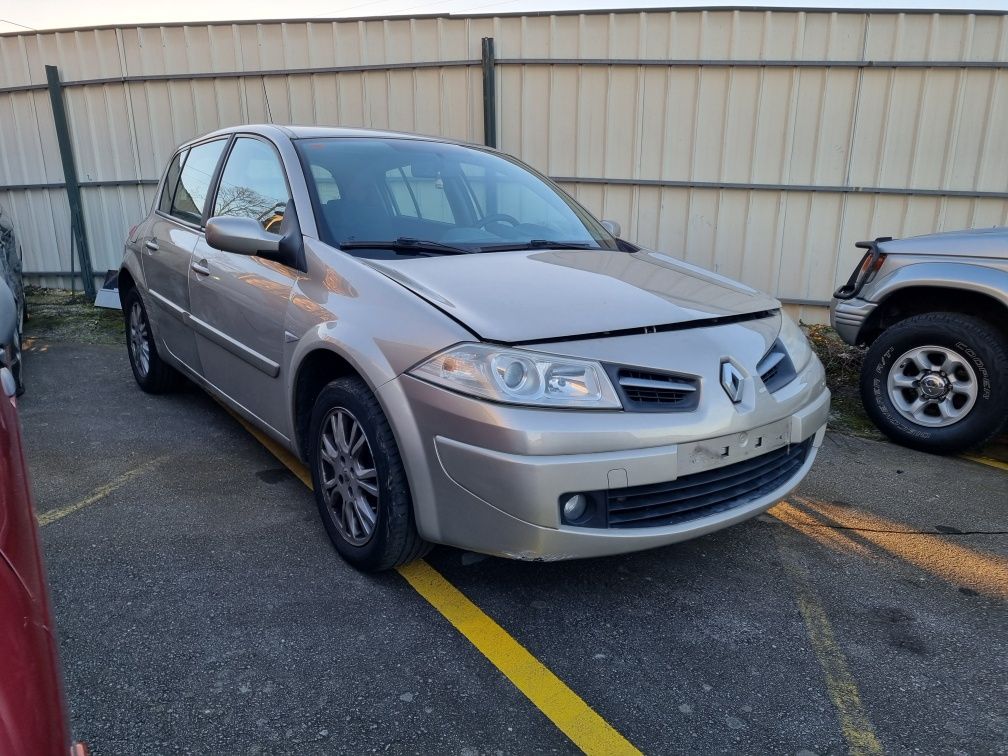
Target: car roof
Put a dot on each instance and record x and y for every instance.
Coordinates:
(275, 131)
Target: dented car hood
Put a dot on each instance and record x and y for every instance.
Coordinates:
(541, 295)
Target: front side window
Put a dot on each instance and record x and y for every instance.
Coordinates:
(194, 181)
(171, 181)
(465, 197)
(253, 184)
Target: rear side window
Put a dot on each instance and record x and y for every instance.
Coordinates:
(253, 185)
(194, 181)
(171, 180)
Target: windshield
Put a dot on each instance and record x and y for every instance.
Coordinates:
(390, 190)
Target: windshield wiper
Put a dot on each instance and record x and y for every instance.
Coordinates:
(537, 244)
(405, 245)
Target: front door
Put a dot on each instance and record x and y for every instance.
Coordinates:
(167, 249)
(239, 302)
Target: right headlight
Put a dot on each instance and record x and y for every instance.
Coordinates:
(794, 341)
(516, 376)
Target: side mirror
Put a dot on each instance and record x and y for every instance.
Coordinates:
(243, 236)
(613, 227)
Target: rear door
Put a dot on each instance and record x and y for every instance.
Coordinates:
(239, 302)
(167, 251)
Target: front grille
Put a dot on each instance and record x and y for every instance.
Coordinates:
(652, 391)
(776, 369)
(705, 493)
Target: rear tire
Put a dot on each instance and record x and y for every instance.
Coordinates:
(359, 480)
(17, 368)
(152, 373)
(937, 382)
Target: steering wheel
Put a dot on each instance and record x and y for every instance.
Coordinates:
(497, 218)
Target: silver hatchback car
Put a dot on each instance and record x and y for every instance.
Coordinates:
(460, 352)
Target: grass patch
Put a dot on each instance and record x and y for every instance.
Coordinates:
(59, 316)
(843, 371)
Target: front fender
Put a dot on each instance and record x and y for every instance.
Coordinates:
(371, 362)
(377, 326)
(981, 279)
(354, 346)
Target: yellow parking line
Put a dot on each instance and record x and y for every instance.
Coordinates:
(100, 493)
(989, 461)
(565, 708)
(568, 711)
(288, 460)
(857, 729)
(843, 691)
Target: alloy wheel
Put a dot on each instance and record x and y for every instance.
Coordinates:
(933, 386)
(348, 476)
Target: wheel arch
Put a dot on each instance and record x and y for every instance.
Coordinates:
(126, 283)
(131, 277)
(318, 367)
(907, 301)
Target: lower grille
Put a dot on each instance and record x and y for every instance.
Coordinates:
(705, 493)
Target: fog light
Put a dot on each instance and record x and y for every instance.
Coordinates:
(575, 507)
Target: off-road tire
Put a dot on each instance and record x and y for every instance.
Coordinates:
(971, 337)
(395, 540)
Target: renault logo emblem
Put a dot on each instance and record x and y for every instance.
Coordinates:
(731, 380)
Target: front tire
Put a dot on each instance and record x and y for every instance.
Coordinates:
(152, 373)
(359, 480)
(937, 382)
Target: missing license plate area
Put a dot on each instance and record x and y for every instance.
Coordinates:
(725, 450)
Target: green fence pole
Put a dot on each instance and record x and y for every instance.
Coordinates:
(489, 94)
(73, 191)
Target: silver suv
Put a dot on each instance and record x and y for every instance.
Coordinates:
(934, 310)
(460, 352)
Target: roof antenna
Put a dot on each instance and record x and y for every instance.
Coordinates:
(269, 115)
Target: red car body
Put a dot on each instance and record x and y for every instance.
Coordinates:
(33, 718)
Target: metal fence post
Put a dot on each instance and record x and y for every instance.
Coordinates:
(77, 227)
(489, 94)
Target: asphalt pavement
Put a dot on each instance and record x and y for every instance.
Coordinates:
(200, 607)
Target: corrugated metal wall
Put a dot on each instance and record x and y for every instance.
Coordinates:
(761, 144)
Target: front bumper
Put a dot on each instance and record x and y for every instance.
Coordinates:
(489, 477)
(848, 316)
